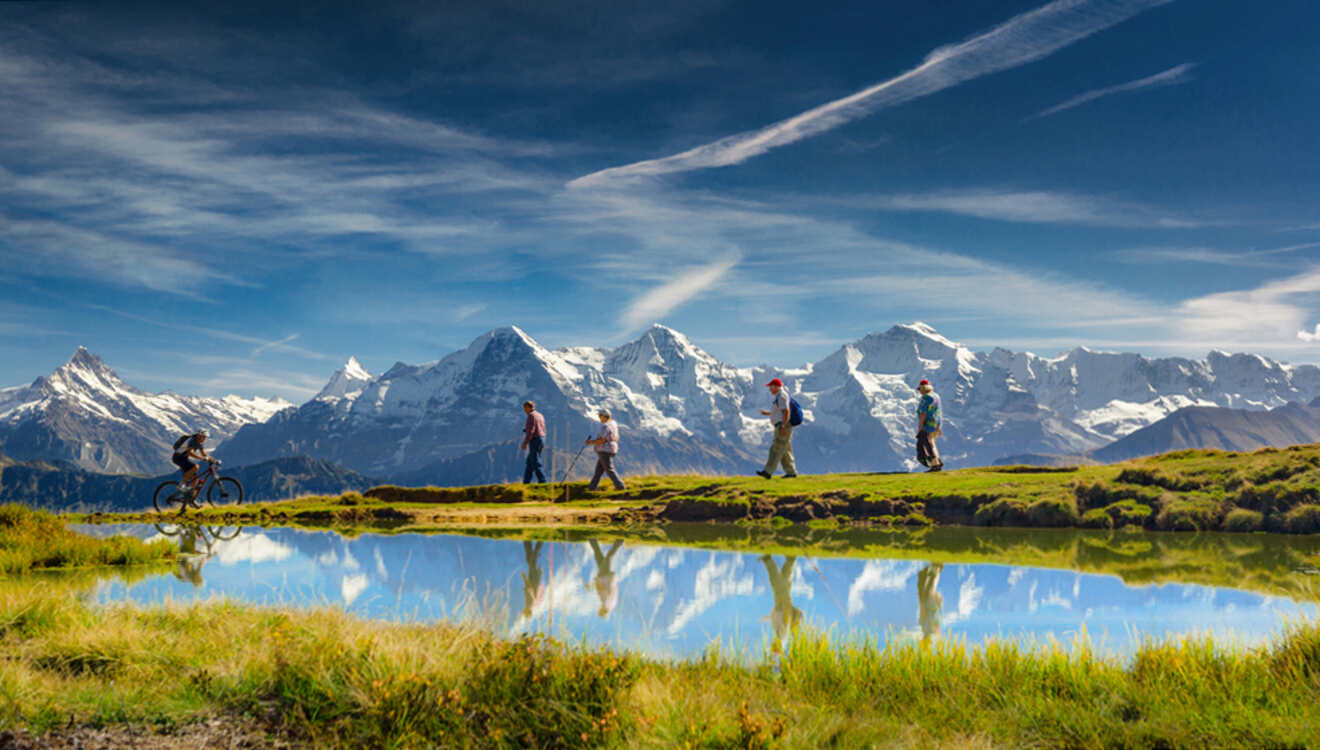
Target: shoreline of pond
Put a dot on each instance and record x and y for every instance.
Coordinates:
(380, 683)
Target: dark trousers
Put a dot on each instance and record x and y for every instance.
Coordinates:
(605, 465)
(534, 447)
(927, 455)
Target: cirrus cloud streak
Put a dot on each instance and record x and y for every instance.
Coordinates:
(1022, 39)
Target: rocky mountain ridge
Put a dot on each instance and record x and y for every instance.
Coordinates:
(1220, 428)
(681, 409)
(84, 413)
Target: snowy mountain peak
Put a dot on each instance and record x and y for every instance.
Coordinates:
(919, 330)
(84, 358)
(84, 413)
(83, 371)
(354, 369)
(512, 332)
(348, 380)
(904, 348)
(86, 361)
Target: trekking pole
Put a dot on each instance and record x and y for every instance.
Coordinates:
(827, 586)
(569, 470)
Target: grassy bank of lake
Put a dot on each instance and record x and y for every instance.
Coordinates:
(34, 540)
(1267, 490)
(330, 679)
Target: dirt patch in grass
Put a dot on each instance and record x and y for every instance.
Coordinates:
(227, 732)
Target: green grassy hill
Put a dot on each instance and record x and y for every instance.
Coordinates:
(1197, 490)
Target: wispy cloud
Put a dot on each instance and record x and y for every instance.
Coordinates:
(262, 345)
(1210, 256)
(1035, 207)
(1310, 337)
(137, 183)
(1171, 77)
(658, 302)
(233, 377)
(273, 344)
(52, 248)
(1274, 312)
(1022, 39)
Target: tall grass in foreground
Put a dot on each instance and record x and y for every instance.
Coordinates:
(340, 681)
(35, 540)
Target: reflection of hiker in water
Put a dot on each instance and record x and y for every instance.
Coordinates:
(533, 589)
(929, 599)
(189, 568)
(606, 587)
(785, 617)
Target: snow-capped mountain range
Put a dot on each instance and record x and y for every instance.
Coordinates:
(681, 409)
(85, 414)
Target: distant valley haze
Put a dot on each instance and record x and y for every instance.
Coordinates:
(230, 202)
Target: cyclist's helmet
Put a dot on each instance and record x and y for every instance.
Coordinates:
(201, 434)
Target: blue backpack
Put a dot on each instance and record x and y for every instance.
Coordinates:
(794, 413)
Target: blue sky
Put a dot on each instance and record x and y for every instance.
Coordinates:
(237, 199)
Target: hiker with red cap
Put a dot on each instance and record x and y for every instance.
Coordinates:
(781, 448)
(928, 427)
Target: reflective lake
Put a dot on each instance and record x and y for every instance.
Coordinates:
(671, 593)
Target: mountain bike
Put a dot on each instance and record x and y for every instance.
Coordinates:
(222, 491)
(197, 539)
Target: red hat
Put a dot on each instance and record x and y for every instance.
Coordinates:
(923, 382)
(776, 381)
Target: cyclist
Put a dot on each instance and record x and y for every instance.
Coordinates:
(185, 448)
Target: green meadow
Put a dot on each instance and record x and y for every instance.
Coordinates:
(1267, 490)
(324, 678)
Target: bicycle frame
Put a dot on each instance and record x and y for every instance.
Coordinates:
(200, 479)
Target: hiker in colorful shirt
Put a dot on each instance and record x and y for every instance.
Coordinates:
(928, 427)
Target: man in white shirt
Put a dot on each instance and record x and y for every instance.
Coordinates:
(607, 444)
(781, 448)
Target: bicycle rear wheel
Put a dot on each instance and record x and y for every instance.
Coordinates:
(168, 497)
(224, 491)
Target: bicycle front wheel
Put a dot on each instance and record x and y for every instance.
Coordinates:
(224, 491)
(168, 497)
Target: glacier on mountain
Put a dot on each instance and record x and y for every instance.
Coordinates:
(83, 413)
(682, 409)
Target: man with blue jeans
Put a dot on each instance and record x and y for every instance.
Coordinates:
(533, 442)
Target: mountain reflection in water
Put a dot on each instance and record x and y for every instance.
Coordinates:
(674, 601)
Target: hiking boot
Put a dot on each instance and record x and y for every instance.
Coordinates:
(764, 474)
(790, 476)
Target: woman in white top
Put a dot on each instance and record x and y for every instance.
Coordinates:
(607, 444)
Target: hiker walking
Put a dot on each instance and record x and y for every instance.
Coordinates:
(929, 600)
(928, 427)
(607, 445)
(533, 589)
(781, 448)
(607, 588)
(533, 442)
(785, 617)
